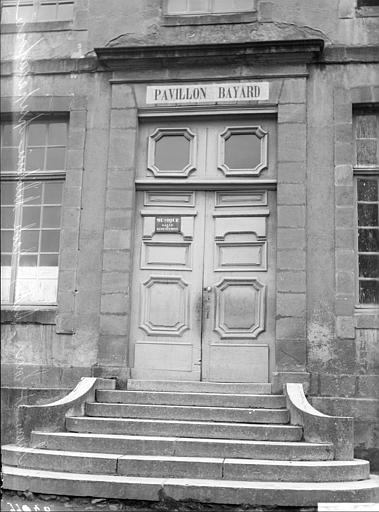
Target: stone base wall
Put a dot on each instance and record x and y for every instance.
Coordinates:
(12, 397)
(352, 395)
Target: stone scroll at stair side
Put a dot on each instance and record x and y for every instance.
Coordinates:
(320, 427)
(51, 416)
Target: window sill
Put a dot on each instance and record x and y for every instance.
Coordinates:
(37, 26)
(31, 175)
(28, 315)
(366, 170)
(174, 20)
(366, 317)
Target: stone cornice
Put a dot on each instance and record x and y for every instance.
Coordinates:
(53, 66)
(332, 55)
(299, 51)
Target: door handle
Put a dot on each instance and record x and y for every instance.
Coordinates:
(207, 301)
(199, 307)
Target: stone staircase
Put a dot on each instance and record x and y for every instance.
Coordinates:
(208, 442)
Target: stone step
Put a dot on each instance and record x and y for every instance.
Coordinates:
(185, 467)
(106, 384)
(214, 491)
(191, 413)
(260, 388)
(262, 432)
(181, 446)
(198, 399)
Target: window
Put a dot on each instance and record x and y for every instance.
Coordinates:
(368, 240)
(208, 6)
(367, 193)
(171, 152)
(367, 8)
(33, 167)
(13, 11)
(368, 3)
(242, 151)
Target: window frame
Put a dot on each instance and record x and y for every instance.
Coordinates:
(208, 17)
(362, 305)
(36, 5)
(209, 10)
(366, 9)
(43, 176)
(368, 171)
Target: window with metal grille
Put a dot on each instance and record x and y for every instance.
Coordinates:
(366, 171)
(179, 7)
(33, 166)
(13, 11)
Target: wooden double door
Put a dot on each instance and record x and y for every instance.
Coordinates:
(203, 293)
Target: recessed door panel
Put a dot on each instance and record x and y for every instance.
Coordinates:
(166, 255)
(239, 363)
(163, 356)
(177, 198)
(239, 308)
(239, 198)
(240, 256)
(164, 306)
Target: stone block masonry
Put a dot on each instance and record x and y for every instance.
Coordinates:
(291, 235)
(118, 233)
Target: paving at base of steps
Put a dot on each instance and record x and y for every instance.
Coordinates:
(16, 501)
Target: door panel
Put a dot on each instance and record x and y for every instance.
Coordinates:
(242, 363)
(167, 284)
(239, 287)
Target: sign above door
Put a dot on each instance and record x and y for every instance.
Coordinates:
(207, 93)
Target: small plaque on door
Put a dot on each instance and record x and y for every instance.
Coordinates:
(167, 224)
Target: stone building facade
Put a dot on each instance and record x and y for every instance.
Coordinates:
(95, 88)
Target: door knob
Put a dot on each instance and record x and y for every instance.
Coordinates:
(208, 289)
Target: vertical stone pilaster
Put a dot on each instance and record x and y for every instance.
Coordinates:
(344, 214)
(71, 216)
(118, 233)
(88, 283)
(291, 235)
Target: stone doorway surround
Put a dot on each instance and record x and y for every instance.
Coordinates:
(283, 64)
